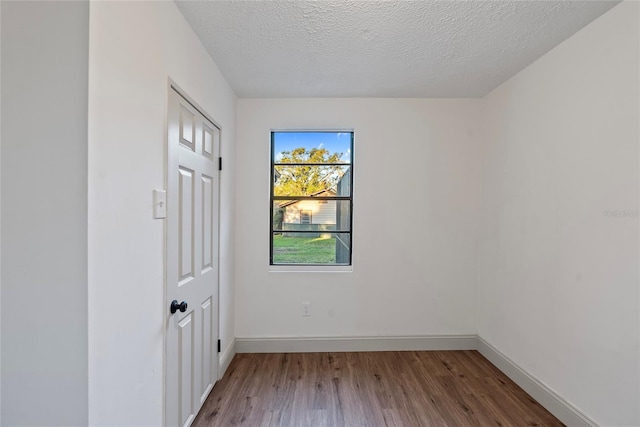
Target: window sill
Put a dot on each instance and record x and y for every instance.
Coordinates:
(311, 268)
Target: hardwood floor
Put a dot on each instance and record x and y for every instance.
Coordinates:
(410, 388)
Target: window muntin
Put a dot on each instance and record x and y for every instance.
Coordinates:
(311, 198)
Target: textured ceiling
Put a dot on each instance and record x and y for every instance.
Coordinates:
(435, 49)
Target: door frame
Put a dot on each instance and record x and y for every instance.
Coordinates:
(173, 86)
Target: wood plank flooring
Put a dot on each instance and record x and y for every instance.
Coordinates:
(409, 388)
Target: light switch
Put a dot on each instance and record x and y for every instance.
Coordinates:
(159, 204)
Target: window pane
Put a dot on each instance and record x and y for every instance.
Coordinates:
(309, 169)
(312, 147)
(312, 248)
(320, 181)
(311, 215)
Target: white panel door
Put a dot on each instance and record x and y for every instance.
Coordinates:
(192, 261)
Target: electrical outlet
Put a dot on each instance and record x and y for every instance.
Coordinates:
(306, 309)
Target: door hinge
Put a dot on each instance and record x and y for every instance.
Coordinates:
(219, 163)
(219, 346)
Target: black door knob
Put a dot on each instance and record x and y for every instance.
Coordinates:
(175, 306)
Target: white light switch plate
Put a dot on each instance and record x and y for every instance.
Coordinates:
(159, 204)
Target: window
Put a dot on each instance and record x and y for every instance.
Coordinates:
(311, 198)
(305, 217)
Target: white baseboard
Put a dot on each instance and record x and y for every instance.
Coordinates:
(340, 344)
(226, 357)
(563, 410)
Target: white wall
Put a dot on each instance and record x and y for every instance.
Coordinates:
(44, 213)
(416, 221)
(134, 48)
(558, 290)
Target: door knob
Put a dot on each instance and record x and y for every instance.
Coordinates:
(175, 306)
